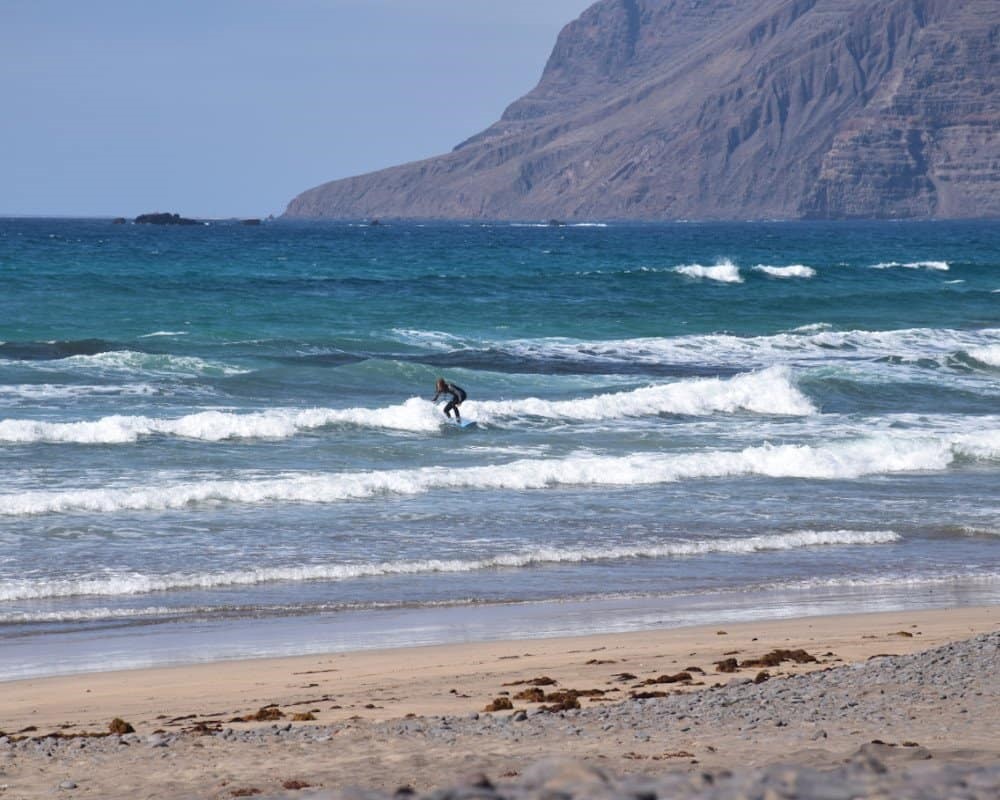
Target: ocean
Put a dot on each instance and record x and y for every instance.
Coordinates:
(219, 442)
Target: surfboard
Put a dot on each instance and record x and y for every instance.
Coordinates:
(465, 423)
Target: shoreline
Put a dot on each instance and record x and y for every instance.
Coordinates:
(50, 702)
(115, 647)
(922, 682)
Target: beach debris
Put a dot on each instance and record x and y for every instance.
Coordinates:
(560, 701)
(294, 785)
(673, 754)
(778, 656)
(624, 677)
(249, 791)
(267, 713)
(904, 634)
(762, 676)
(545, 680)
(647, 695)
(536, 695)
(680, 677)
(204, 727)
(598, 661)
(303, 716)
(773, 659)
(721, 633)
(499, 704)
(695, 669)
(120, 727)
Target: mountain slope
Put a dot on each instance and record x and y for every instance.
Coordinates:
(715, 109)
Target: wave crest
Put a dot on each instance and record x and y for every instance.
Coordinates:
(838, 461)
(767, 392)
(793, 271)
(723, 272)
(136, 583)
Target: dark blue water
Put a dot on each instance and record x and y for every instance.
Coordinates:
(224, 430)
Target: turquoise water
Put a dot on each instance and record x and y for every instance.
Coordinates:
(219, 440)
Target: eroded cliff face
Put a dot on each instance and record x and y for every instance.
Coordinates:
(728, 109)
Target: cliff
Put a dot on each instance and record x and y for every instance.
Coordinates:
(728, 109)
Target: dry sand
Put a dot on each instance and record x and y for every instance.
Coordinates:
(351, 695)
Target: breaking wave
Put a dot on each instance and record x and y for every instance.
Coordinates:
(987, 355)
(793, 271)
(54, 391)
(803, 344)
(941, 266)
(131, 362)
(136, 583)
(724, 272)
(843, 460)
(768, 392)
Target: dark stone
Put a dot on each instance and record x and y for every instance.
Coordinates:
(161, 218)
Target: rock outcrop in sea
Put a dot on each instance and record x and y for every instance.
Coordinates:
(164, 218)
(726, 109)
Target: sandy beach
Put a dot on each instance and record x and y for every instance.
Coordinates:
(418, 717)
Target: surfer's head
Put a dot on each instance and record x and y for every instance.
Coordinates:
(441, 385)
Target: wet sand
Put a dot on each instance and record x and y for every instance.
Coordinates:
(416, 717)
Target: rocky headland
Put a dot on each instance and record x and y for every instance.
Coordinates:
(726, 109)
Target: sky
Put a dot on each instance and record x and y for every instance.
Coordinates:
(229, 108)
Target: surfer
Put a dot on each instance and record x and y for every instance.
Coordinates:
(457, 397)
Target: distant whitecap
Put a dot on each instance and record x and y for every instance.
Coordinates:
(723, 272)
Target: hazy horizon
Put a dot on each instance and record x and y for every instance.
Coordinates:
(229, 109)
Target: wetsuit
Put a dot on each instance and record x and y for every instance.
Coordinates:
(457, 398)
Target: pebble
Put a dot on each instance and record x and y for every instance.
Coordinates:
(883, 692)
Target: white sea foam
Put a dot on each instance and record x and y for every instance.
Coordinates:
(768, 392)
(163, 333)
(130, 362)
(941, 266)
(724, 272)
(436, 340)
(898, 581)
(413, 415)
(90, 614)
(137, 583)
(793, 271)
(973, 530)
(981, 446)
(843, 460)
(55, 391)
(987, 355)
(794, 346)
